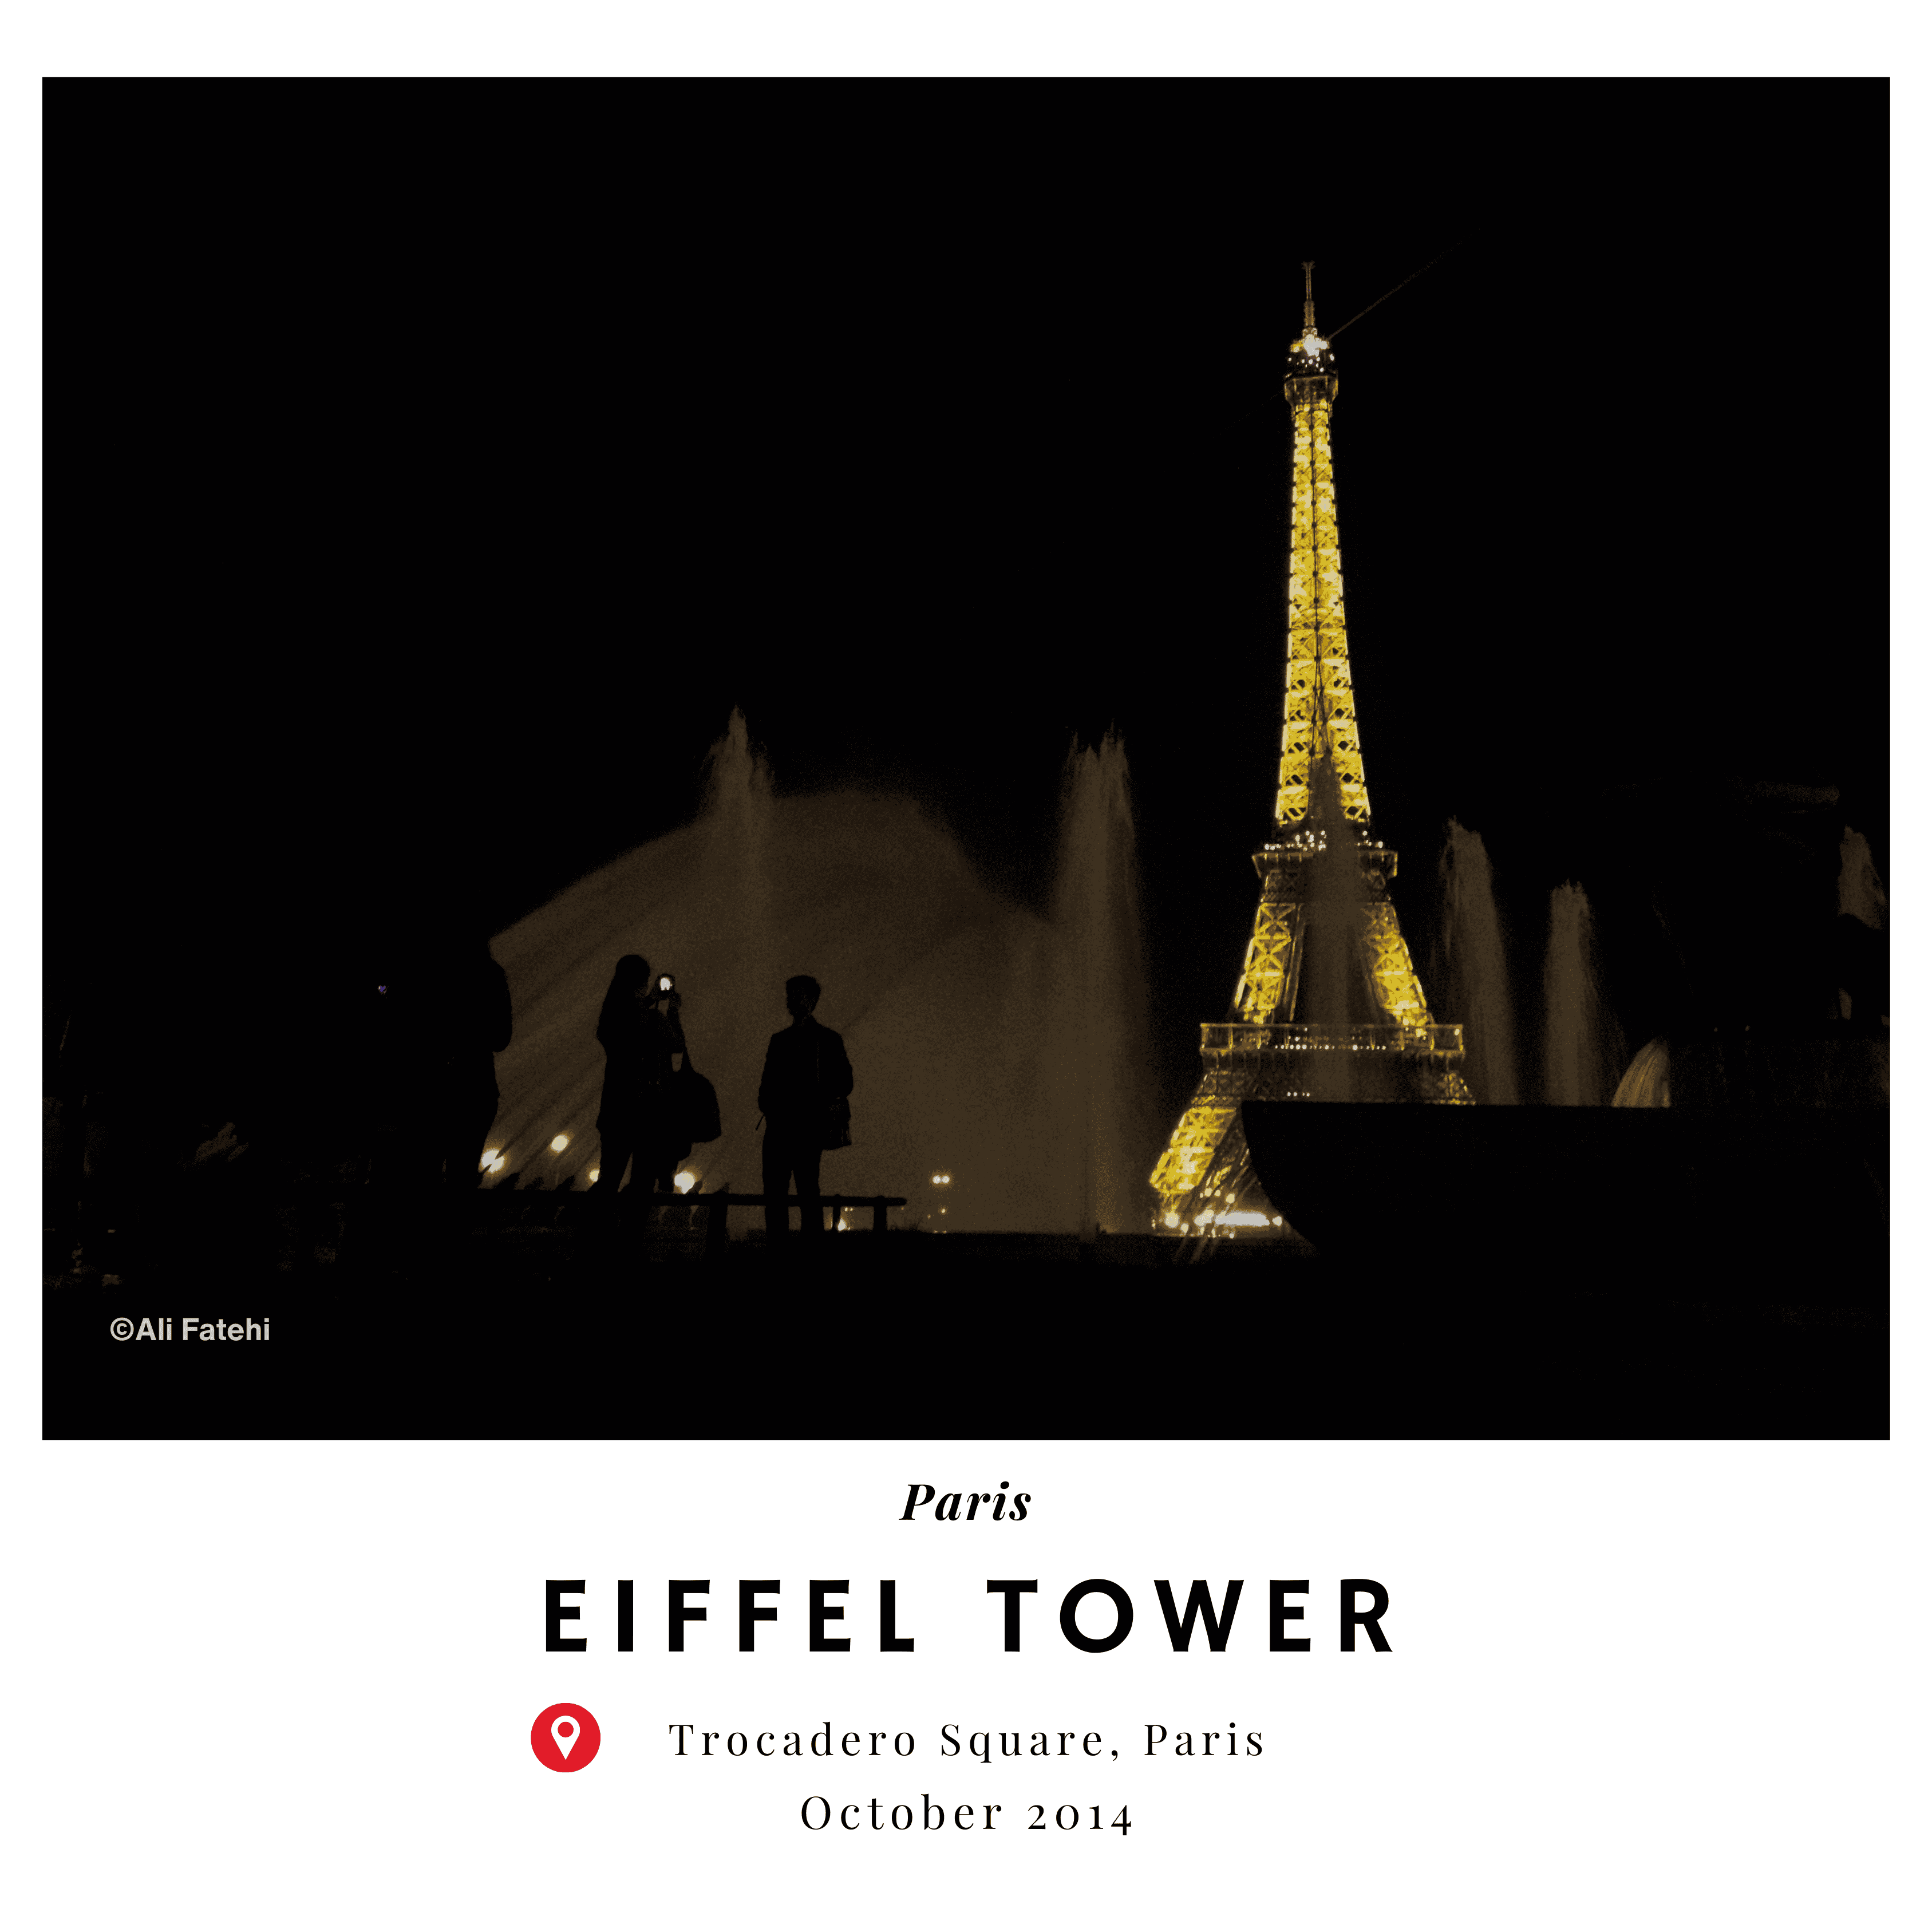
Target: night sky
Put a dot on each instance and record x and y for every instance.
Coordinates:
(449, 468)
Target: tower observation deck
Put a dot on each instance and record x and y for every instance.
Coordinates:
(1328, 1007)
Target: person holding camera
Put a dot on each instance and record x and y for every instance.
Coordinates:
(805, 1072)
(640, 1029)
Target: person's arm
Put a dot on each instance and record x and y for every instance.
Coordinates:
(840, 1074)
(673, 1026)
(765, 1081)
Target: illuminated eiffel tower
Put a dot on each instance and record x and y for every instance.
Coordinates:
(1328, 1006)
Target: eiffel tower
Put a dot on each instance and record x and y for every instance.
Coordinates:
(1328, 1005)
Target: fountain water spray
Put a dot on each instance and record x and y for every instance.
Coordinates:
(1860, 891)
(1474, 973)
(1008, 1050)
(1100, 1023)
(1583, 1046)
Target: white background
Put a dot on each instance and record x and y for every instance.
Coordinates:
(841, 37)
(293, 1685)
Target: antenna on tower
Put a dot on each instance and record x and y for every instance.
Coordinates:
(1308, 297)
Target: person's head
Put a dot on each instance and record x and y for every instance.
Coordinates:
(801, 994)
(628, 983)
(633, 971)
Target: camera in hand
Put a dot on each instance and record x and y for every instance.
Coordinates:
(665, 984)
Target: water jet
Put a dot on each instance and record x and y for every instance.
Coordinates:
(999, 1045)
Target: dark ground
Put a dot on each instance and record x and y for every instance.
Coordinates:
(531, 1322)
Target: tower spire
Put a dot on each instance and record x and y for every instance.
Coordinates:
(1308, 299)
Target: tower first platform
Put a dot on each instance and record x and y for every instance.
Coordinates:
(1328, 1006)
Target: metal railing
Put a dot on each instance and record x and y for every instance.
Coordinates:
(718, 1204)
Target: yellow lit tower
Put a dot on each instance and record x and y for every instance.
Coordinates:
(1328, 1006)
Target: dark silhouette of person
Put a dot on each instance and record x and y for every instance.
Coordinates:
(640, 1030)
(805, 1070)
(469, 1025)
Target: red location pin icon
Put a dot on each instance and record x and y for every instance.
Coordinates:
(565, 1737)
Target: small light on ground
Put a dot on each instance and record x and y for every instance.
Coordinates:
(558, 1145)
(592, 1177)
(685, 1181)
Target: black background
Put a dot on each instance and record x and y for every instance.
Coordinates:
(429, 472)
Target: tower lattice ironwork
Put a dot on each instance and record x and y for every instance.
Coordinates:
(1325, 889)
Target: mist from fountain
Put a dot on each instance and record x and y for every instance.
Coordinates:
(1008, 1051)
(1860, 891)
(1583, 1054)
(1472, 983)
(1097, 1069)
(735, 885)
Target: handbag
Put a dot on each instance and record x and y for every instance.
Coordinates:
(695, 1104)
(835, 1125)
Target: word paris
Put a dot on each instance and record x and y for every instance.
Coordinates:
(683, 1609)
(946, 1508)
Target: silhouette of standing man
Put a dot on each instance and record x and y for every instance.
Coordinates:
(805, 1070)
